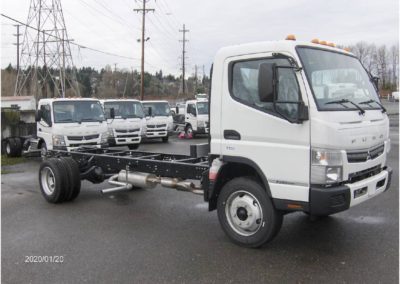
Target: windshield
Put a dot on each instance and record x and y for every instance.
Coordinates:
(202, 108)
(124, 109)
(335, 76)
(158, 109)
(77, 111)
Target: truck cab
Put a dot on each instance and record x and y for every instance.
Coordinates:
(196, 116)
(299, 122)
(128, 125)
(65, 124)
(158, 119)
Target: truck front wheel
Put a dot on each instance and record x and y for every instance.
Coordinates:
(133, 146)
(246, 213)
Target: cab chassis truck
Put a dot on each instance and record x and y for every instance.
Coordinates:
(294, 126)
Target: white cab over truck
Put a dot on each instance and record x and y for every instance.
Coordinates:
(294, 126)
(195, 118)
(128, 125)
(65, 124)
(158, 119)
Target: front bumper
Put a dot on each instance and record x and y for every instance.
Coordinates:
(156, 133)
(125, 140)
(326, 201)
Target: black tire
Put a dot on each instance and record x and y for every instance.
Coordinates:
(55, 170)
(133, 146)
(247, 191)
(74, 175)
(13, 147)
(165, 139)
(189, 129)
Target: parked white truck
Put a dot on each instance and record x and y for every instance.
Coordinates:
(128, 125)
(158, 119)
(68, 123)
(284, 137)
(195, 118)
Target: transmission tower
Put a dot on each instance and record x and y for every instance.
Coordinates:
(46, 61)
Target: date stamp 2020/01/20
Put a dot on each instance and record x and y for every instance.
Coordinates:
(44, 259)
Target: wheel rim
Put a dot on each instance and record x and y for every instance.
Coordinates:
(8, 148)
(244, 213)
(189, 130)
(48, 180)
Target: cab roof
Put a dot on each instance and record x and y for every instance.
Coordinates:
(272, 46)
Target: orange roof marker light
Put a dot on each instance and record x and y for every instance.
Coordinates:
(290, 37)
(331, 44)
(346, 49)
(315, 40)
(323, 42)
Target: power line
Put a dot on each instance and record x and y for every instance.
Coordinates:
(72, 43)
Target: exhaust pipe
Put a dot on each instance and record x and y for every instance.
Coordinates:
(125, 180)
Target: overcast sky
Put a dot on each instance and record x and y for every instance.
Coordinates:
(113, 26)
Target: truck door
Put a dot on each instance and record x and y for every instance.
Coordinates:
(44, 126)
(262, 133)
(191, 115)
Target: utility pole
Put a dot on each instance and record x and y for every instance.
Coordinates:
(184, 40)
(143, 11)
(18, 34)
(195, 79)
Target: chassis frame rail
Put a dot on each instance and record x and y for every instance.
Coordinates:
(112, 161)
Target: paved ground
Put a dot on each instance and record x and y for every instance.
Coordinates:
(164, 236)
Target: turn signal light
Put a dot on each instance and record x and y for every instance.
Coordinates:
(291, 37)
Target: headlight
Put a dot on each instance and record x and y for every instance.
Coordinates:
(326, 166)
(104, 137)
(200, 123)
(58, 140)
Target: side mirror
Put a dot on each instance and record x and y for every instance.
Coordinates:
(303, 113)
(112, 113)
(149, 111)
(38, 115)
(375, 80)
(177, 110)
(266, 77)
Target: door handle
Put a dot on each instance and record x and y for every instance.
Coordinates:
(231, 135)
(187, 117)
(40, 129)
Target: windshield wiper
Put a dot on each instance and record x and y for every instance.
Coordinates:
(373, 101)
(343, 101)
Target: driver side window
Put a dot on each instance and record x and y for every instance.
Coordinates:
(46, 114)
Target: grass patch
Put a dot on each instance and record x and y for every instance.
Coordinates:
(6, 161)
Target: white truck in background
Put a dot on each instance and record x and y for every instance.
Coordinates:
(128, 125)
(159, 120)
(68, 123)
(195, 118)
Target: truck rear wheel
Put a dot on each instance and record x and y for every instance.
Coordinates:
(246, 213)
(53, 180)
(73, 174)
(13, 147)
